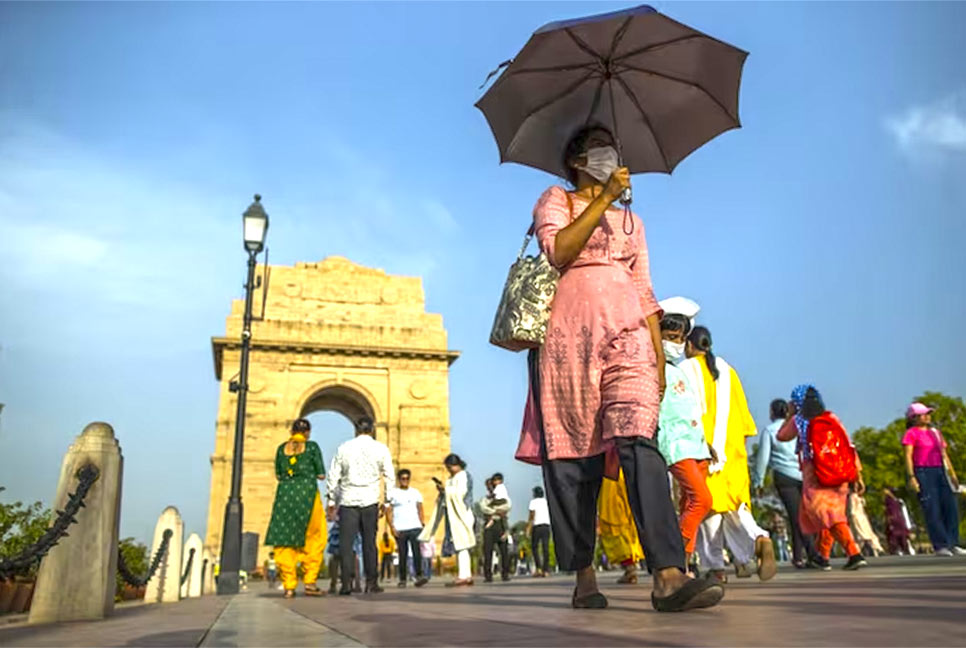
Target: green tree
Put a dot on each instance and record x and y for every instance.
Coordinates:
(882, 458)
(135, 556)
(21, 525)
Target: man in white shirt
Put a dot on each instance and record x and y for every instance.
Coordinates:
(538, 528)
(404, 516)
(354, 489)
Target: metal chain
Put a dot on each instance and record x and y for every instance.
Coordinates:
(86, 476)
(187, 567)
(138, 581)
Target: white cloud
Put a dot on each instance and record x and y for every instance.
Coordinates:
(939, 126)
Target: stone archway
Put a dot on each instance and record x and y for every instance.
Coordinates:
(335, 336)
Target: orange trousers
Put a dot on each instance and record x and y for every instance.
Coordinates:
(692, 478)
(840, 532)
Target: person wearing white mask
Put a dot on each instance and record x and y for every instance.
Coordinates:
(597, 381)
(680, 435)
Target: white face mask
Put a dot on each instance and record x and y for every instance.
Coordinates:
(673, 351)
(602, 161)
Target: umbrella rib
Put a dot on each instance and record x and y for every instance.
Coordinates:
(596, 101)
(659, 45)
(554, 68)
(618, 37)
(581, 44)
(682, 81)
(647, 120)
(568, 90)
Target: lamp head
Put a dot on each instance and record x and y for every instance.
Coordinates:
(255, 225)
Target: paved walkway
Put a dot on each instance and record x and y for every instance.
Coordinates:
(917, 601)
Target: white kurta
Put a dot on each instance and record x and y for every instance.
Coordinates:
(460, 517)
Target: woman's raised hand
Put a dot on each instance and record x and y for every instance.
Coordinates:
(619, 180)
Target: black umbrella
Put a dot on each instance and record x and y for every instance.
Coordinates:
(662, 88)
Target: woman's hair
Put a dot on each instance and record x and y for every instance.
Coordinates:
(779, 409)
(700, 339)
(537, 491)
(454, 460)
(577, 146)
(301, 425)
(676, 322)
(812, 405)
(912, 421)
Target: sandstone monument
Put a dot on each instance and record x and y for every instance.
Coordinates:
(333, 336)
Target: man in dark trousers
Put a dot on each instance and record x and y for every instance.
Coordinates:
(495, 507)
(355, 495)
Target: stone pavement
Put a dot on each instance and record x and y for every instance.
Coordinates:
(900, 601)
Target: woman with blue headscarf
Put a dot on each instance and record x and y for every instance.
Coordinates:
(823, 509)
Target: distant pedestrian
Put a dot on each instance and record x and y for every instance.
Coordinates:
(271, 569)
(357, 469)
(297, 528)
(779, 536)
(782, 458)
(862, 530)
(387, 547)
(405, 519)
(897, 530)
(427, 553)
(538, 528)
(824, 505)
(454, 505)
(932, 478)
(495, 507)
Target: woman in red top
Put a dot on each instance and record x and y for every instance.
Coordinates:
(932, 477)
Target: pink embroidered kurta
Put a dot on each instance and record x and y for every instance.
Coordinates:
(597, 368)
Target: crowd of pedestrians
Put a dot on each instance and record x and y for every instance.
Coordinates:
(641, 432)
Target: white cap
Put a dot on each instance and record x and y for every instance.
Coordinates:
(680, 306)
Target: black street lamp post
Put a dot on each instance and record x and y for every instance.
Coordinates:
(255, 223)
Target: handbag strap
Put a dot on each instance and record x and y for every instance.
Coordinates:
(533, 226)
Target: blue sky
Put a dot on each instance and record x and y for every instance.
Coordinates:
(824, 239)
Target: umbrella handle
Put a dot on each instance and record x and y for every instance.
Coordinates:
(627, 197)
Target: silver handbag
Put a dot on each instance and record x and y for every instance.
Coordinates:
(524, 310)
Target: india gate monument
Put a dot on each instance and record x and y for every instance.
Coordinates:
(332, 336)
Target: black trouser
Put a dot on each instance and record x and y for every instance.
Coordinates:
(406, 540)
(573, 485)
(493, 536)
(790, 491)
(385, 569)
(540, 546)
(352, 520)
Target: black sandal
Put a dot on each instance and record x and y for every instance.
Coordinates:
(696, 593)
(595, 601)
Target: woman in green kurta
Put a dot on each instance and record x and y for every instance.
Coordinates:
(297, 529)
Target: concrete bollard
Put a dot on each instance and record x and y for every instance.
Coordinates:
(193, 550)
(76, 578)
(165, 585)
(208, 575)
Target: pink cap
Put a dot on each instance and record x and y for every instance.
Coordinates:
(918, 409)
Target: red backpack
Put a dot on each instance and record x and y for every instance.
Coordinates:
(833, 454)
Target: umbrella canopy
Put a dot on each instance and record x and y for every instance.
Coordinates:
(662, 88)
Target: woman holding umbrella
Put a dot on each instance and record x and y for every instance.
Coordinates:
(599, 377)
(592, 100)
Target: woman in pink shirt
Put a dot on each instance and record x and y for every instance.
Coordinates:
(932, 477)
(597, 381)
